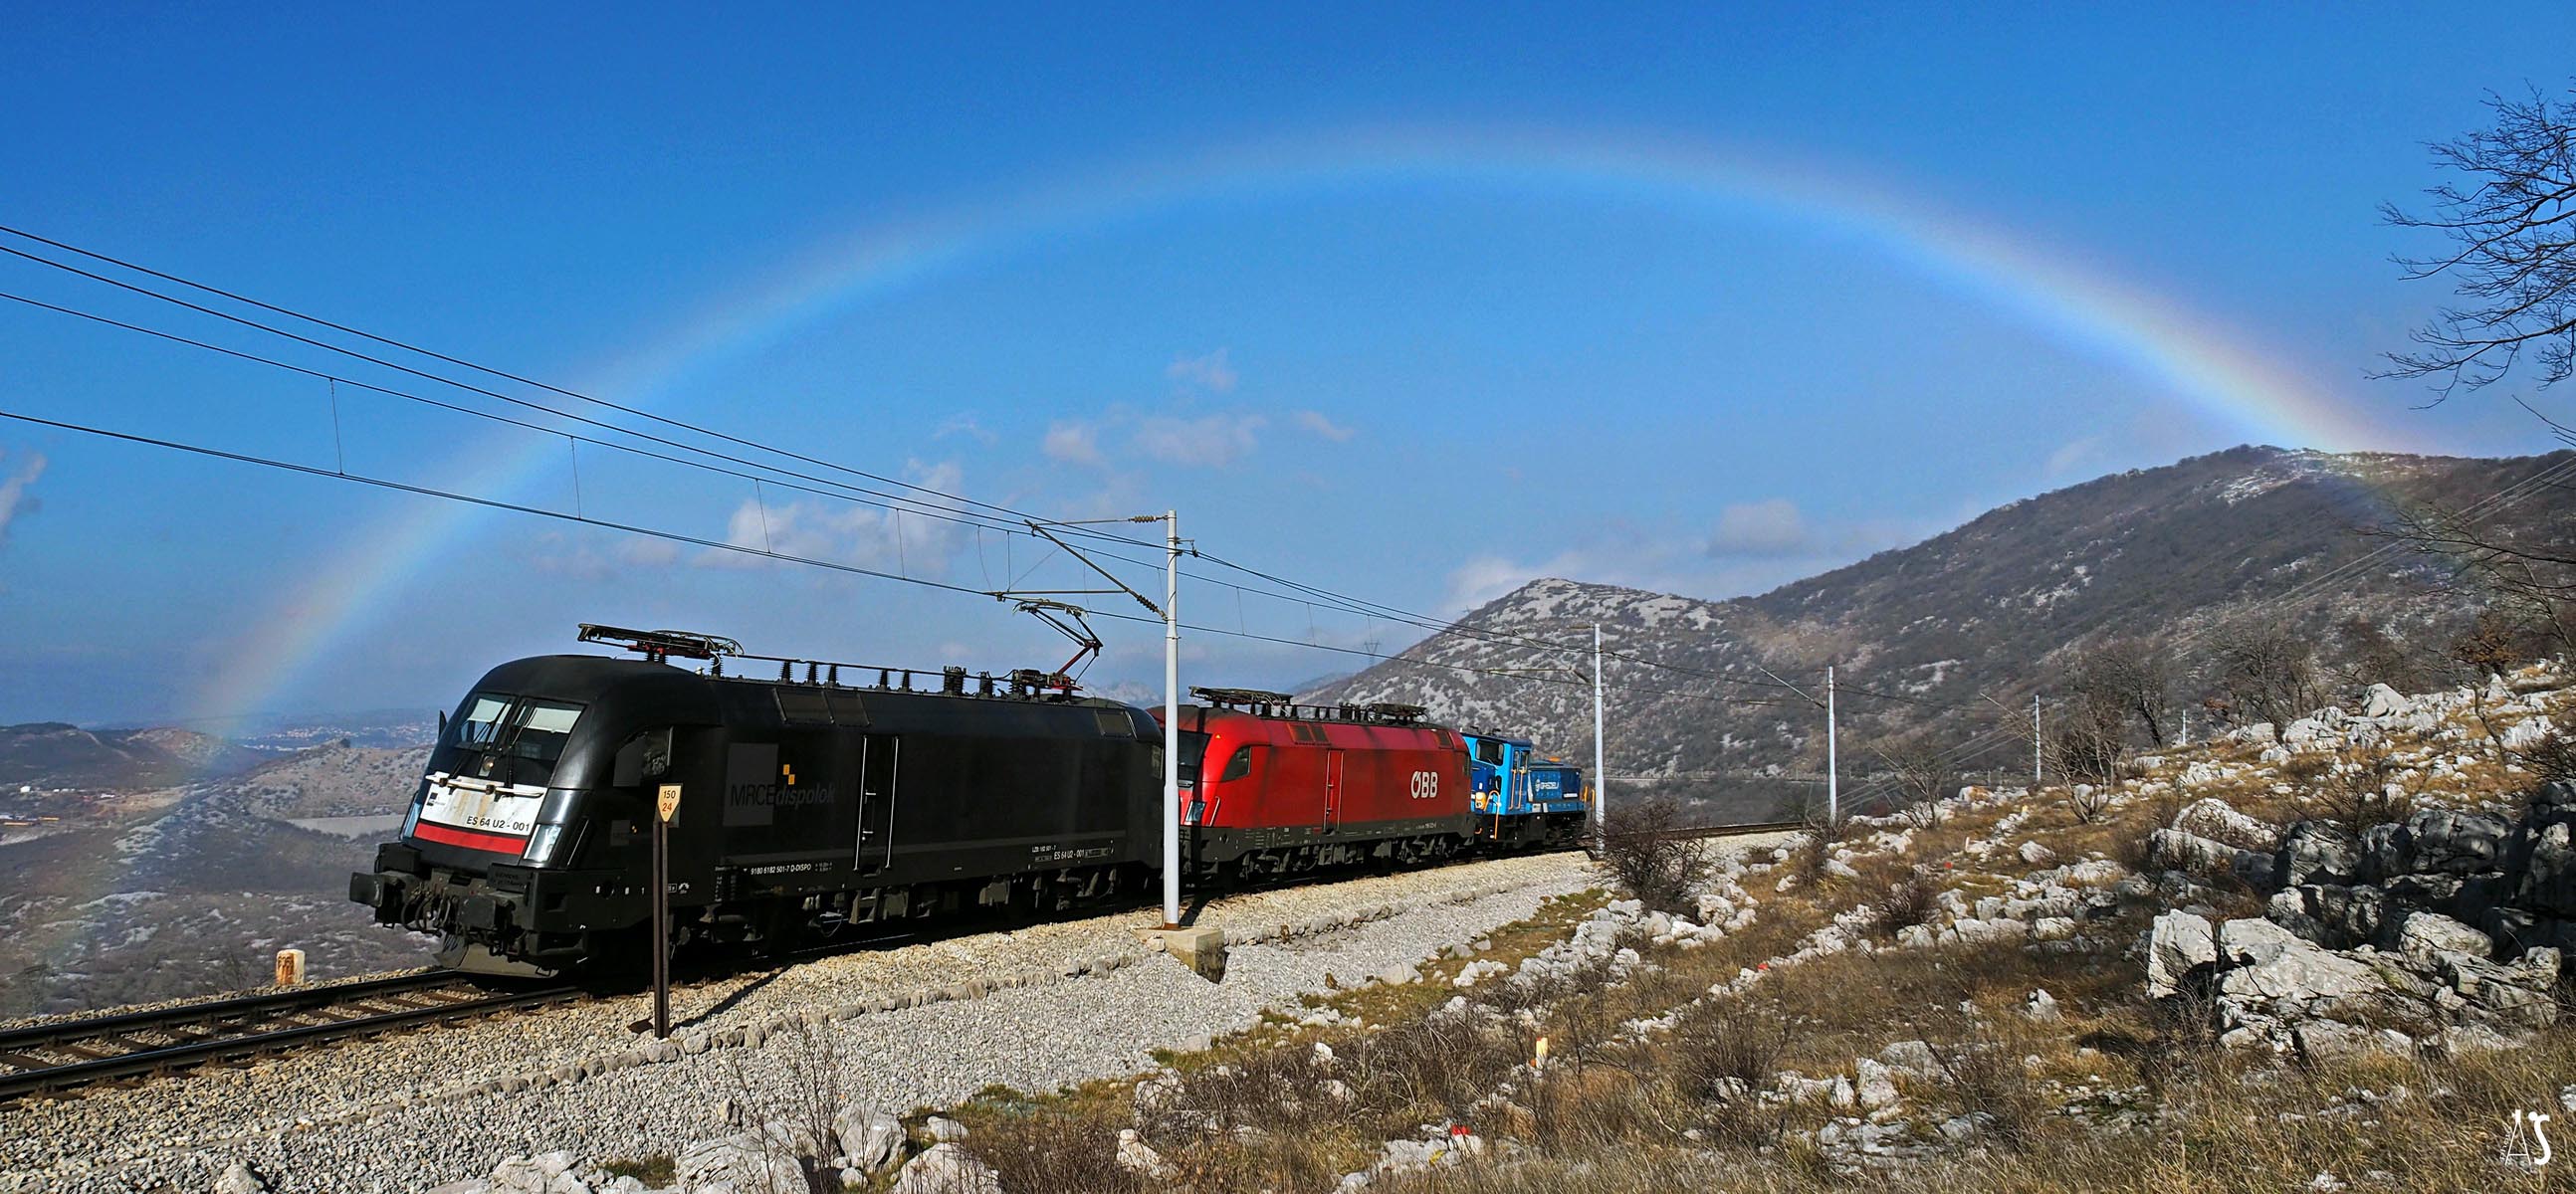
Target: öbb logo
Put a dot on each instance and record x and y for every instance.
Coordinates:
(1426, 785)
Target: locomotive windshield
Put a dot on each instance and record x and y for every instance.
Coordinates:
(1193, 749)
(520, 727)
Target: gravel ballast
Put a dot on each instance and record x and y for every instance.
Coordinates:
(928, 1024)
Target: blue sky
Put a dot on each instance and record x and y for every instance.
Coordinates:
(1412, 305)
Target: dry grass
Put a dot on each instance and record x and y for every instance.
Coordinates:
(2116, 1094)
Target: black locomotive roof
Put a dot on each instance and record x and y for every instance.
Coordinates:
(583, 679)
(645, 688)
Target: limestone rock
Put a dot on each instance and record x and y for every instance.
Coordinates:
(2384, 701)
(945, 1168)
(871, 1139)
(2548, 879)
(2034, 854)
(754, 1160)
(2213, 818)
(2316, 852)
(2423, 935)
(2179, 944)
(2174, 849)
(238, 1179)
(2286, 977)
(2456, 843)
(2253, 941)
(1876, 1089)
(1913, 1058)
(1136, 1156)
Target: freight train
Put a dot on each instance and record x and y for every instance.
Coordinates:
(809, 806)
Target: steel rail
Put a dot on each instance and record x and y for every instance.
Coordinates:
(241, 1007)
(233, 1029)
(1705, 831)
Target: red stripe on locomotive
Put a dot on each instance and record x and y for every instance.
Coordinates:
(431, 831)
(1328, 776)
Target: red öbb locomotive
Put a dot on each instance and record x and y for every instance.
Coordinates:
(1271, 787)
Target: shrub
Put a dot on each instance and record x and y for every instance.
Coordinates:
(1712, 1048)
(1912, 900)
(1647, 860)
(1987, 1074)
(2362, 787)
(2551, 758)
(1051, 1148)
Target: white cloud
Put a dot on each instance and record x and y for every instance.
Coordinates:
(13, 490)
(2068, 456)
(846, 533)
(1314, 421)
(592, 555)
(1210, 372)
(1773, 527)
(965, 425)
(1484, 578)
(645, 552)
(1073, 443)
(1209, 441)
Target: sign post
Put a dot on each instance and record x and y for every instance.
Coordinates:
(665, 806)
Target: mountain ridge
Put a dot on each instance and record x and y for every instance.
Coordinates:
(1950, 636)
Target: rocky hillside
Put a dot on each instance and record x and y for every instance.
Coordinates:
(186, 890)
(1948, 634)
(49, 754)
(336, 779)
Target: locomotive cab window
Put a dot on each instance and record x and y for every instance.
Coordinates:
(1238, 766)
(1193, 751)
(480, 725)
(542, 727)
(525, 729)
(1489, 751)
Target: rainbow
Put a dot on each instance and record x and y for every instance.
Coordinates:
(2083, 308)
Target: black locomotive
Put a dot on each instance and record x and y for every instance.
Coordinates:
(806, 805)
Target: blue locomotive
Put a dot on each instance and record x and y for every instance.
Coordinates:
(1520, 797)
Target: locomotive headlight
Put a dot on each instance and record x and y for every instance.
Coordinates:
(541, 844)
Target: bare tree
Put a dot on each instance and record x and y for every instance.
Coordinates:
(2492, 645)
(2267, 672)
(2530, 576)
(1924, 774)
(2091, 742)
(2511, 221)
(2378, 657)
(2133, 676)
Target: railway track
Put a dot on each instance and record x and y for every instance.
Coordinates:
(1706, 831)
(61, 1054)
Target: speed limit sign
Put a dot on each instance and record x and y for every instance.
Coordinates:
(669, 802)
